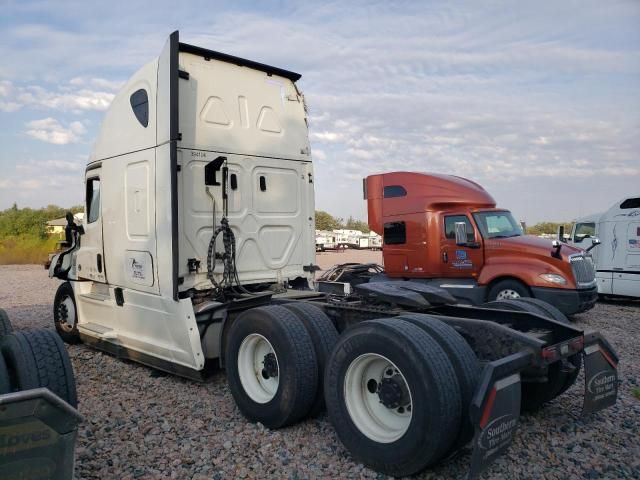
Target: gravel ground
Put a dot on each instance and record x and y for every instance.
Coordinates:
(142, 424)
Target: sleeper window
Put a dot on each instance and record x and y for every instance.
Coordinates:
(393, 191)
(93, 199)
(140, 105)
(630, 203)
(395, 233)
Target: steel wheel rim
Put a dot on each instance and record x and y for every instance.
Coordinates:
(254, 356)
(375, 420)
(506, 294)
(66, 312)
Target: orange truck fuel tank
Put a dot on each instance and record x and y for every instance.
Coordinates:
(417, 213)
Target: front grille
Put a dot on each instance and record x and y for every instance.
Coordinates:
(583, 270)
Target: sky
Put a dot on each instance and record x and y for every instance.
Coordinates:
(539, 102)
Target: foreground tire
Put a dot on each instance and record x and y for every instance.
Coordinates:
(464, 362)
(392, 396)
(324, 337)
(5, 324)
(508, 289)
(5, 383)
(561, 375)
(20, 364)
(65, 315)
(52, 363)
(550, 311)
(271, 366)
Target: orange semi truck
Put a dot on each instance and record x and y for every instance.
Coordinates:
(447, 231)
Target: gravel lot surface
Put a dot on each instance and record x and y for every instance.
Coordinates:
(147, 425)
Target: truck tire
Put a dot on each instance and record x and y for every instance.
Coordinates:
(5, 324)
(5, 383)
(324, 337)
(65, 315)
(508, 289)
(464, 362)
(19, 361)
(53, 366)
(392, 396)
(561, 374)
(550, 311)
(271, 366)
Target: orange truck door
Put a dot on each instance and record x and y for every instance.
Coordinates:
(460, 261)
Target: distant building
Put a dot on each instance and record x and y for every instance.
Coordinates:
(56, 226)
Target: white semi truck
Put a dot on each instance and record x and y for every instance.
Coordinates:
(197, 251)
(617, 257)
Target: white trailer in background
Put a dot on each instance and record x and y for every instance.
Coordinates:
(375, 241)
(617, 259)
(325, 241)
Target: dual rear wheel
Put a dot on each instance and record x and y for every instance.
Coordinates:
(397, 390)
(275, 359)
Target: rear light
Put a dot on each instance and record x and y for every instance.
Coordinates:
(550, 354)
(555, 352)
(577, 344)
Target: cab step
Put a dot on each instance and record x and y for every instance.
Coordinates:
(95, 296)
(94, 330)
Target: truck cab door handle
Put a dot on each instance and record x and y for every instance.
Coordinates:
(445, 257)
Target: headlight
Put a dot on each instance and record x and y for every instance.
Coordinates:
(553, 278)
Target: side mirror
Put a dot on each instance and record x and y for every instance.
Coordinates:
(556, 246)
(461, 233)
(594, 243)
(561, 233)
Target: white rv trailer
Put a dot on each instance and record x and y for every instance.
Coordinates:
(325, 240)
(197, 249)
(617, 258)
(375, 241)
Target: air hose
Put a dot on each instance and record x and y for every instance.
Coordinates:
(230, 272)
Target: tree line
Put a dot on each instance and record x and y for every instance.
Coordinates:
(16, 221)
(23, 233)
(326, 221)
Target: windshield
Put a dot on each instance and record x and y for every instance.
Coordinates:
(497, 224)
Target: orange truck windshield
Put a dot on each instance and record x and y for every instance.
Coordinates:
(497, 224)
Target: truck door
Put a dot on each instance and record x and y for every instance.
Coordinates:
(90, 257)
(626, 280)
(460, 261)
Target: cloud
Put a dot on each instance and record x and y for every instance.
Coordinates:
(78, 95)
(101, 83)
(6, 87)
(57, 166)
(51, 131)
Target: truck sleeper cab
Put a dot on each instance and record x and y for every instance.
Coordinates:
(418, 214)
(617, 254)
(197, 251)
(193, 137)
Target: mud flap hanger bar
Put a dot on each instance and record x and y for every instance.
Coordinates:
(600, 373)
(495, 409)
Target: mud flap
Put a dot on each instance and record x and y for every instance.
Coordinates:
(495, 410)
(600, 376)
